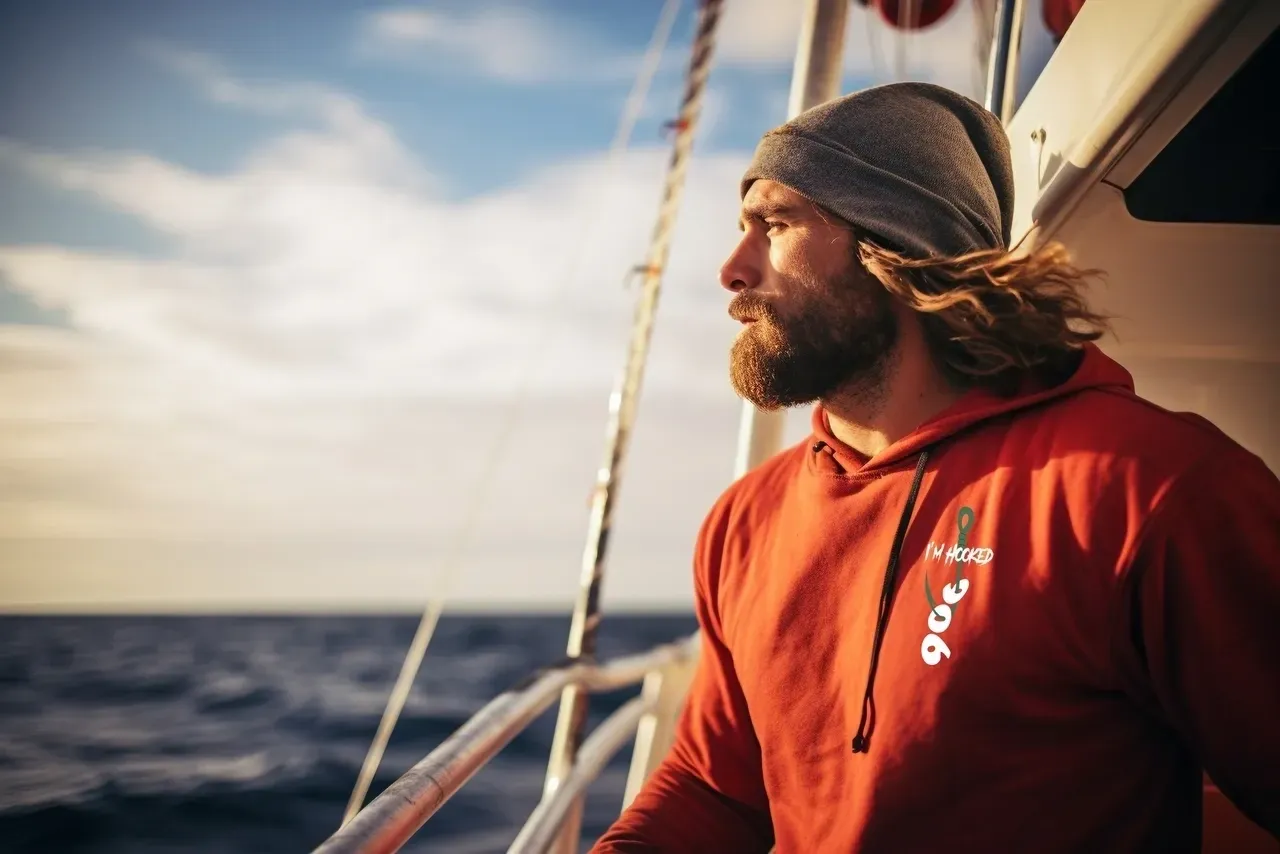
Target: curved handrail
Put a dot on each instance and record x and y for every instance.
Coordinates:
(544, 822)
(391, 819)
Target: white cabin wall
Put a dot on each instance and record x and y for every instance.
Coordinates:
(1195, 305)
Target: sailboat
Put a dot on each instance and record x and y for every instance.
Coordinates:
(1143, 146)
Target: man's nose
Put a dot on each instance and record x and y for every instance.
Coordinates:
(739, 272)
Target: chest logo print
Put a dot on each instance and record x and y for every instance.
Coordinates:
(933, 649)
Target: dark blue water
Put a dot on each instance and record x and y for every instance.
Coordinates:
(245, 734)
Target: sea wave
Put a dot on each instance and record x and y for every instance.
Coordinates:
(222, 734)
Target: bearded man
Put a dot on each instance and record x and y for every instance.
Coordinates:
(997, 601)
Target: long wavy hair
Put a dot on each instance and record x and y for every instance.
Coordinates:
(991, 318)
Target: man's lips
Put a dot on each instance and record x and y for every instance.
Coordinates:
(748, 309)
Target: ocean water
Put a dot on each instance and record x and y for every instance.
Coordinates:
(142, 735)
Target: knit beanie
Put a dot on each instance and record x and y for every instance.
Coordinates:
(921, 168)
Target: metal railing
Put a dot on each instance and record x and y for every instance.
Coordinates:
(391, 819)
(543, 825)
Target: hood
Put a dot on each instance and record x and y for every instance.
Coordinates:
(1095, 371)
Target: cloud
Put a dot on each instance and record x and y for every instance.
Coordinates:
(510, 43)
(327, 354)
(299, 397)
(313, 245)
(522, 45)
(503, 41)
(764, 34)
(407, 474)
(332, 132)
(296, 99)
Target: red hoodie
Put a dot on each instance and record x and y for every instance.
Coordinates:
(1085, 612)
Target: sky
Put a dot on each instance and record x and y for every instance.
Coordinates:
(319, 306)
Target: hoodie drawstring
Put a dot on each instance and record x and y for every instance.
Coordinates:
(860, 741)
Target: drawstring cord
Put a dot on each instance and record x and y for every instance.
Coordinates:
(862, 739)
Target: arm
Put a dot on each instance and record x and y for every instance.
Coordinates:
(708, 795)
(1200, 625)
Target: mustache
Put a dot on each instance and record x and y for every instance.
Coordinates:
(748, 306)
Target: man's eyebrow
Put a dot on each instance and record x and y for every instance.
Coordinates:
(765, 210)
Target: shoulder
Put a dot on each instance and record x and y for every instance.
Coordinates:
(1122, 468)
(1110, 430)
(757, 488)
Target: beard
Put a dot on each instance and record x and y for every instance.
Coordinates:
(840, 338)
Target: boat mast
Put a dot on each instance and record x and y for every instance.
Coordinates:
(1002, 67)
(815, 80)
(572, 721)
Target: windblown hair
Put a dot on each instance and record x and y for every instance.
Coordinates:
(992, 318)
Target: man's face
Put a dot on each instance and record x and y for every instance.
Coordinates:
(814, 320)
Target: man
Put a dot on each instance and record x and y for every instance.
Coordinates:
(996, 602)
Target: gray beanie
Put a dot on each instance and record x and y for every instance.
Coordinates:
(923, 168)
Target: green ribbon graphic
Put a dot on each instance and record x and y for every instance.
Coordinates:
(964, 521)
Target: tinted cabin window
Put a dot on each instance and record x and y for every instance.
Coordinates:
(1224, 166)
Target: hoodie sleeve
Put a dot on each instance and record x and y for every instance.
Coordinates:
(707, 796)
(1199, 626)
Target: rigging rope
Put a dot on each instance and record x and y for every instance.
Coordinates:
(431, 616)
(572, 720)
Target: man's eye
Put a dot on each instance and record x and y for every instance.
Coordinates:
(772, 226)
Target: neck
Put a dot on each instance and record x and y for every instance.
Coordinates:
(872, 413)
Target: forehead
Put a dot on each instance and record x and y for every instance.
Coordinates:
(765, 191)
